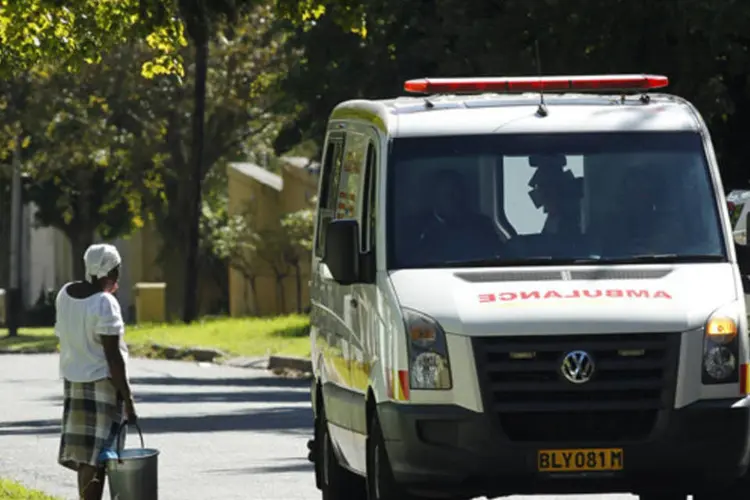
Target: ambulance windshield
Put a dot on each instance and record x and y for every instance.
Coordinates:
(551, 198)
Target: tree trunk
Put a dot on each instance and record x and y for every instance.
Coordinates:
(280, 292)
(4, 233)
(190, 304)
(81, 236)
(298, 285)
(173, 267)
(79, 242)
(250, 280)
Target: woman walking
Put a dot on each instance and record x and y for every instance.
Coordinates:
(93, 358)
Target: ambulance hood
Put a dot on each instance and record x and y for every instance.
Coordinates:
(547, 300)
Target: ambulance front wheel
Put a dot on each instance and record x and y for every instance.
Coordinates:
(740, 490)
(335, 482)
(381, 485)
(663, 496)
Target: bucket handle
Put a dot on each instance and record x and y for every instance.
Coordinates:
(123, 425)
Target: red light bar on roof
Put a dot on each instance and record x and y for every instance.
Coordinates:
(535, 84)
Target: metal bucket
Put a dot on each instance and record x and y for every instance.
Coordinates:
(133, 475)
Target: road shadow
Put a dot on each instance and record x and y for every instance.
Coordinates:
(286, 465)
(269, 381)
(281, 419)
(272, 396)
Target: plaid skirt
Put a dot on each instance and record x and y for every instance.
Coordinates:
(92, 413)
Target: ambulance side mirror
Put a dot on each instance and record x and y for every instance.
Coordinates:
(743, 258)
(341, 253)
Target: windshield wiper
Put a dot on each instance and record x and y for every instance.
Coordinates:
(504, 262)
(665, 258)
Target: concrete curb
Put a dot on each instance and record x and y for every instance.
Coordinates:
(290, 363)
(199, 354)
(284, 366)
(28, 350)
(291, 367)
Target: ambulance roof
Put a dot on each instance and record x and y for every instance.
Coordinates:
(517, 113)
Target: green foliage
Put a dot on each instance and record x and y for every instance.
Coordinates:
(284, 247)
(250, 251)
(297, 228)
(35, 34)
(348, 15)
(11, 490)
(83, 207)
(699, 44)
(233, 238)
(106, 149)
(245, 61)
(75, 162)
(82, 177)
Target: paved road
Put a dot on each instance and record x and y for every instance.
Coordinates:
(226, 433)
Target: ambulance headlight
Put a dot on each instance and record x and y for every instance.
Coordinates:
(428, 352)
(721, 348)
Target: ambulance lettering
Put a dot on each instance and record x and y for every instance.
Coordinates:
(524, 295)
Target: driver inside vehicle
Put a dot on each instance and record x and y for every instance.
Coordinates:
(449, 229)
(557, 192)
(660, 214)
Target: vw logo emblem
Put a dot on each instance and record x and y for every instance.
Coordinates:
(577, 367)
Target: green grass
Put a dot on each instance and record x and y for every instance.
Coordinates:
(250, 337)
(11, 490)
(35, 339)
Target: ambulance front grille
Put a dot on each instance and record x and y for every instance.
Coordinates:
(634, 376)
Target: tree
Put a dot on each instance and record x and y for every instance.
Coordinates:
(48, 33)
(245, 60)
(272, 249)
(218, 231)
(81, 204)
(36, 33)
(76, 163)
(5, 183)
(297, 230)
(701, 45)
(202, 19)
(143, 126)
(281, 249)
(234, 240)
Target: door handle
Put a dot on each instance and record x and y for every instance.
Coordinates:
(353, 302)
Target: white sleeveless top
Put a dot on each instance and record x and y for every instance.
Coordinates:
(79, 324)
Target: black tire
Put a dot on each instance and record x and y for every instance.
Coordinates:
(740, 490)
(381, 485)
(663, 496)
(334, 481)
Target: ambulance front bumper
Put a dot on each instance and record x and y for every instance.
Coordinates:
(449, 450)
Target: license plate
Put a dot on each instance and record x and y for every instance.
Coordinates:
(580, 460)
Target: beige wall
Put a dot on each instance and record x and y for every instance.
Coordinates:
(143, 249)
(268, 207)
(300, 186)
(262, 201)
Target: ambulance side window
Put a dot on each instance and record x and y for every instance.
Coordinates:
(369, 204)
(328, 188)
(349, 191)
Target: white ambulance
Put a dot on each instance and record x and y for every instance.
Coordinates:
(526, 286)
(739, 208)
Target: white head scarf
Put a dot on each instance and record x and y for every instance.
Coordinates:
(100, 260)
